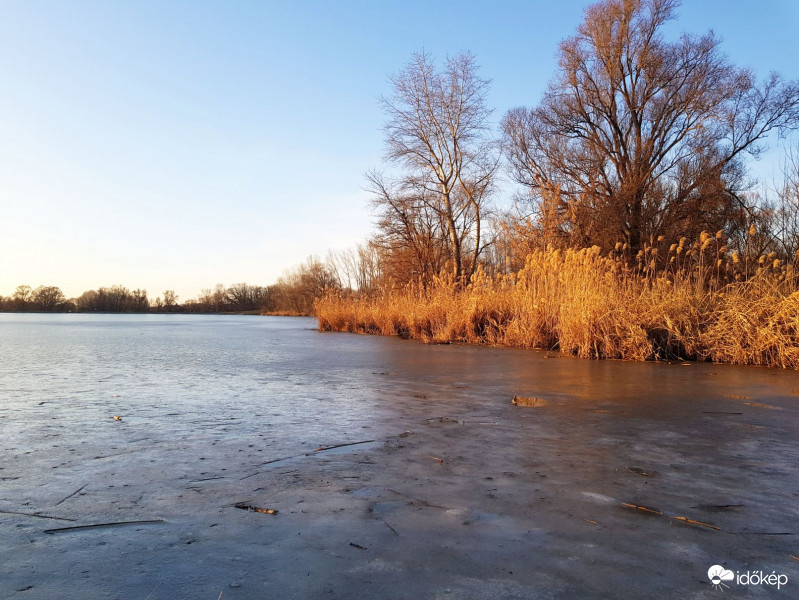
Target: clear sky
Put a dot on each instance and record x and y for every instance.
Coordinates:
(175, 145)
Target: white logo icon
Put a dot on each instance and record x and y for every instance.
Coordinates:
(718, 575)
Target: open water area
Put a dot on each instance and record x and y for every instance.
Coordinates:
(162, 457)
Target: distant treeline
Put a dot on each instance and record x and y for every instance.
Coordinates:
(293, 294)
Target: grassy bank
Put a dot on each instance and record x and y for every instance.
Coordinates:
(691, 302)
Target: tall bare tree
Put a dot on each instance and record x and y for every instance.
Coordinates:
(786, 213)
(637, 136)
(170, 300)
(22, 298)
(139, 301)
(437, 133)
(48, 298)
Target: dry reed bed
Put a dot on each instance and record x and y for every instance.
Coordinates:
(592, 306)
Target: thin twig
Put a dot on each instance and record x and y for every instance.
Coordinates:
(692, 522)
(269, 462)
(319, 449)
(654, 511)
(98, 525)
(718, 507)
(153, 592)
(324, 448)
(72, 494)
(660, 513)
(390, 527)
(14, 512)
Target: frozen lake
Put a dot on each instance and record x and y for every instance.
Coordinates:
(446, 491)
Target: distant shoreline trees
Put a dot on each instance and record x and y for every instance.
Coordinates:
(115, 299)
(293, 294)
(41, 299)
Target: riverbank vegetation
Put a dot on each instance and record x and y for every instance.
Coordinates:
(685, 301)
(636, 233)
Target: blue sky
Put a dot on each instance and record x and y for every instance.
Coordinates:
(176, 145)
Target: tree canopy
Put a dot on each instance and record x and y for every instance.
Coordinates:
(438, 136)
(638, 136)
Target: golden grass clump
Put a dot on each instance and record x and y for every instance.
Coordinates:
(688, 301)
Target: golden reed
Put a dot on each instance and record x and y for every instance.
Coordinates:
(684, 301)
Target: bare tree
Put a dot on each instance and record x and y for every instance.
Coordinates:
(412, 238)
(357, 268)
(217, 298)
(87, 301)
(786, 213)
(438, 133)
(242, 296)
(296, 291)
(637, 136)
(48, 298)
(114, 299)
(139, 301)
(22, 298)
(170, 301)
